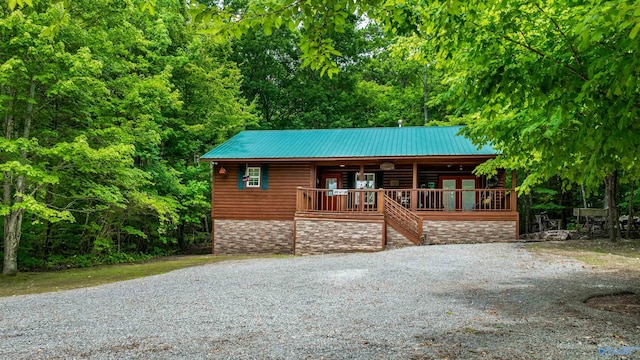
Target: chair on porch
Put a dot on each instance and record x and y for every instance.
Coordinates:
(403, 199)
(486, 199)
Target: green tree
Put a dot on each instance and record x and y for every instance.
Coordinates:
(553, 85)
(29, 76)
(289, 95)
(103, 118)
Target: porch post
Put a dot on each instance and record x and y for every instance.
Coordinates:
(362, 194)
(514, 202)
(380, 201)
(313, 170)
(213, 221)
(514, 198)
(414, 192)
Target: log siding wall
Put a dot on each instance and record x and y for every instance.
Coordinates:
(278, 202)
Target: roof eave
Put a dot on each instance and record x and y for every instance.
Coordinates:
(349, 158)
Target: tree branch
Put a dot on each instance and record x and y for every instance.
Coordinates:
(543, 55)
(555, 23)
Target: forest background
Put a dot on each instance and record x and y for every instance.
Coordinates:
(107, 105)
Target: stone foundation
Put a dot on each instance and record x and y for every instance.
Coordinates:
(324, 236)
(337, 236)
(468, 232)
(396, 240)
(253, 237)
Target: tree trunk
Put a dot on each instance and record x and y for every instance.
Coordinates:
(13, 220)
(180, 237)
(48, 199)
(610, 191)
(630, 218)
(426, 93)
(206, 224)
(563, 212)
(12, 233)
(13, 228)
(527, 213)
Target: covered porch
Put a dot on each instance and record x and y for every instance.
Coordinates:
(409, 203)
(434, 184)
(372, 201)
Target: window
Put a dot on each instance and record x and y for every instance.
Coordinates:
(368, 183)
(254, 177)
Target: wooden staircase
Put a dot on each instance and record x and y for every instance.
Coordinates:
(403, 220)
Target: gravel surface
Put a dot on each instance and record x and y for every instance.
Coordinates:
(495, 301)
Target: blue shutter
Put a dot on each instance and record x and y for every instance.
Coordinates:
(264, 181)
(241, 170)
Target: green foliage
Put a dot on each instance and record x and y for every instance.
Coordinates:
(368, 91)
(541, 85)
(111, 104)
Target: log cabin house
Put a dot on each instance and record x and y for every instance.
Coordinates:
(339, 190)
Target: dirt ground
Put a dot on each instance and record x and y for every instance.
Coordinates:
(622, 256)
(628, 304)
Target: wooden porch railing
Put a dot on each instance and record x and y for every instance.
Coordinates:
(492, 200)
(403, 220)
(442, 200)
(362, 201)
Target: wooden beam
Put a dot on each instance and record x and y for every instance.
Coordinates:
(213, 224)
(361, 178)
(514, 197)
(293, 249)
(514, 201)
(313, 174)
(414, 193)
(384, 235)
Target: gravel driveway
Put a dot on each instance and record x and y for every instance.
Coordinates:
(451, 301)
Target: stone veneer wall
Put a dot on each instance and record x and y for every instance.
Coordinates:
(337, 236)
(468, 232)
(253, 237)
(397, 240)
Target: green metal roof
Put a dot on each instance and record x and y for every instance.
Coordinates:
(346, 143)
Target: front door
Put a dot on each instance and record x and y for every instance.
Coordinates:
(330, 182)
(449, 197)
(468, 197)
(458, 200)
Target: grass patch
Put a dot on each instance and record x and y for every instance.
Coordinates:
(41, 282)
(599, 253)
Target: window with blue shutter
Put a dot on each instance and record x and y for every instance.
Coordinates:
(253, 177)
